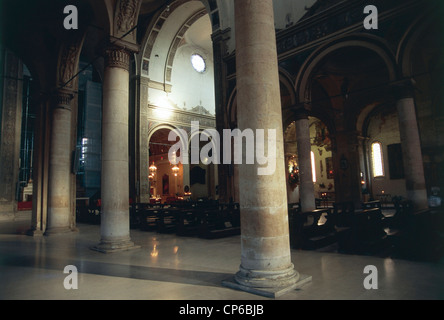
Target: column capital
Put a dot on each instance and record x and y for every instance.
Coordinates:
(62, 99)
(117, 57)
(403, 89)
(300, 113)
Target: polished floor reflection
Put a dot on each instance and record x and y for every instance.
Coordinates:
(185, 268)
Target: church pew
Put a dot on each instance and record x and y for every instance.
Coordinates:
(371, 204)
(167, 220)
(342, 213)
(422, 236)
(219, 223)
(307, 232)
(188, 222)
(147, 217)
(367, 234)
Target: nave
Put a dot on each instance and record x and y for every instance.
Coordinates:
(169, 267)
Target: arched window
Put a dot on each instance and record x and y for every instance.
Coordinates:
(313, 166)
(377, 160)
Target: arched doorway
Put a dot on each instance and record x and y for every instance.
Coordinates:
(203, 174)
(336, 88)
(383, 155)
(176, 84)
(166, 179)
(321, 163)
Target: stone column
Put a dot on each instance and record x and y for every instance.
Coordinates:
(114, 228)
(411, 147)
(59, 180)
(143, 143)
(346, 167)
(266, 266)
(219, 39)
(10, 124)
(306, 191)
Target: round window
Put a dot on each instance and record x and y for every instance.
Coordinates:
(198, 63)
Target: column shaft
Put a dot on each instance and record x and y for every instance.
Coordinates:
(306, 193)
(411, 152)
(265, 247)
(59, 182)
(114, 228)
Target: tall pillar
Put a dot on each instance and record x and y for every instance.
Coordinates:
(142, 151)
(219, 40)
(10, 124)
(59, 180)
(266, 266)
(411, 148)
(114, 227)
(306, 191)
(346, 167)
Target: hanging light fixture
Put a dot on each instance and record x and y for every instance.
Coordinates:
(175, 169)
(152, 168)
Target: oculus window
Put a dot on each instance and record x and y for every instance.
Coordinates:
(198, 63)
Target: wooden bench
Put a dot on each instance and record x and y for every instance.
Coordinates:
(307, 231)
(147, 216)
(219, 223)
(367, 234)
(189, 222)
(342, 213)
(371, 204)
(167, 220)
(422, 236)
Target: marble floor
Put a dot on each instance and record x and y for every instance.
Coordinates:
(168, 267)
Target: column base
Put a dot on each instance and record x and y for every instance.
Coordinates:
(34, 233)
(268, 292)
(271, 284)
(114, 246)
(59, 230)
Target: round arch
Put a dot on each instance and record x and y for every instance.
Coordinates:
(166, 126)
(411, 36)
(188, 15)
(285, 82)
(180, 177)
(369, 42)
